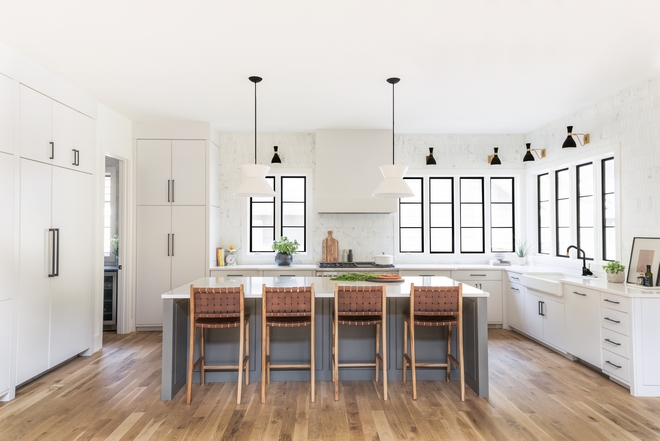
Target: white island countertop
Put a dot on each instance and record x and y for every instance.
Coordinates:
(323, 286)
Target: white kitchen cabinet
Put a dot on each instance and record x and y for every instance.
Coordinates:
(55, 289)
(54, 133)
(7, 118)
(171, 250)
(6, 225)
(5, 345)
(582, 323)
(489, 281)
(425, 273)
(171, 172)
(515, 302)
(615, 336)
(544, 319)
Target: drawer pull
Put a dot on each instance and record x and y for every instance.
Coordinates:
(611, 301)
(579, 293)
(612, 320)
(515, 289)
(477, 275)
(613, 342)
(612, 364)
(517, 278)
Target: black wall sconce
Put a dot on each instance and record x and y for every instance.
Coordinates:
(430, 160)
(529, 157)
(276, 157)
(570, 142)
(494, 159)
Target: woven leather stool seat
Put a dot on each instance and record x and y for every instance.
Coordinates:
(220, 322)
(432, 320)
(288, 322)
(364, 320)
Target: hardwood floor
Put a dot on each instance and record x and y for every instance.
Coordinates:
(535, 394)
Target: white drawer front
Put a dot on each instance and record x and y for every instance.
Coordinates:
(612, 301)
(514, 277)
(476, 275)
(615, 320)
(615, 342)
(616, 366)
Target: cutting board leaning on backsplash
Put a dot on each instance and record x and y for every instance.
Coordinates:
(330, 249)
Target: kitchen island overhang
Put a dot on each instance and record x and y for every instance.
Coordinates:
(176, 338)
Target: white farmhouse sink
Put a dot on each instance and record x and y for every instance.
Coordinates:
(547, 283)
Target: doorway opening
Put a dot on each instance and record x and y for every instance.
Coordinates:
(111, 234)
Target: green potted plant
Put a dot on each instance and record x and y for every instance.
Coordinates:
(615, 272)
(285, 250)
(522, 250)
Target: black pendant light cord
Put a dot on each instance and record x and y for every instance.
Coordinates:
(393, 81)
(255, 80)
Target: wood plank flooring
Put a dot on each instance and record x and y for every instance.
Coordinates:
(535, 394)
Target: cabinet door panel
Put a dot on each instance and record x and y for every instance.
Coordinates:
(494, 288)
(189, 251)
(554, 329)
(85, 142)
(515, 306)
(34, 264)
(5, 345)
(6, 224)
(189, 172)
(154, 172)
(71, 292)
(63, 135)
(533, 321)
(6, 114)
(583, 323)
(153, 263)
(36, 123)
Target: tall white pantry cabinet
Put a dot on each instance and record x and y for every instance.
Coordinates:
(171, 221)
(56, 220)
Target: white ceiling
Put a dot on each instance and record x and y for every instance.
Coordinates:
(466, 66)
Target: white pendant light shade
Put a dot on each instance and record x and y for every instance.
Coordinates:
(254, 183)
(393, 186)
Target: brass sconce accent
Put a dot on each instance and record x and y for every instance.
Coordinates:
(494, 159)
(529, 157)
(570, 142)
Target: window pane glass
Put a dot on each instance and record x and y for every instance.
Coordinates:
(502, 240)
(501, 190)
(263, 215)
(609, 210)
(295, 234)
(411, 215)
(563, 184)
(544, 187)
(608, 175)
(441, 215)
(544, 234)
(586, 212)
(610, 244)
(587, 242)
(544, 215)
(471, 190)
(471, 215)
(501, 215)
(441, 189)
(411, 240)
(416, 186)
(293, 189)
(262, 239)
(293, 214)
(564, 213)
(441, 240)
(585, 180)
(564, 240)
(472, 240)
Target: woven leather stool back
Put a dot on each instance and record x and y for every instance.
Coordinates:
(360, 300)
(436, 300)
(217, 302)
(289, 301)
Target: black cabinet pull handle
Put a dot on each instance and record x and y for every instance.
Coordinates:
(74, 156)
(517, 278)
(168, 245)
(541, 308)
(613, 321)
(52, 150)
(579, 293)
(172, 244)
(172, 190)
(611, 301)
(515, 289)
(477, 275)
(78, 158)
(57, 267)
(613, 342)
(52, 262)
(168, 194)
(612, 364)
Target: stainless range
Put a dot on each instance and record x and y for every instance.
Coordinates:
(331, 269)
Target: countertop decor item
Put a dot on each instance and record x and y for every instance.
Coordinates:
(383, 259)
(645, 251)
(615, 272)
(285, 250)
(393, 186)
(330, 249)
(254, 182)
(522, 250)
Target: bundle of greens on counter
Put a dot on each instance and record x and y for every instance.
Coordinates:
(355, 277)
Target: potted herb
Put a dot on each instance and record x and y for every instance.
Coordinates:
(615, 272)
(522, 250)
(285, 250)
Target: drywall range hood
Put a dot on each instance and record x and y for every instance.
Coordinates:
(348, 171)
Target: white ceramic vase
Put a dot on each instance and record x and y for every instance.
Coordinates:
(522, 261)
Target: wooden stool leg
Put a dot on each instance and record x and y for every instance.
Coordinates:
(191, 361)
(413, 362)
(405, 348)
(241, 349)
(378, 356)
(247, 353)
(202, 346)
(449, 335)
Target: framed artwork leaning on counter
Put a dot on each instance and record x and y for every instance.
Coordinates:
(644, 265)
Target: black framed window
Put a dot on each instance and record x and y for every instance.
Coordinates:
(411, 219)
(563, 211)
(293, 209)
(441, 214)
(262, 221)
(472, 215)
(543, 197)
(502, 215)
(609, 217)
(585, 209)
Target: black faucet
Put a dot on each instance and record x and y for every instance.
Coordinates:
(585, 271)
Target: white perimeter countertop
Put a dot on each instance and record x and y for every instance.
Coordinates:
(323, 286)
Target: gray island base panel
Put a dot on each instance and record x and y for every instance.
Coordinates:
(292, 345)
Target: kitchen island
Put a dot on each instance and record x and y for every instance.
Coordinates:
(288, 345)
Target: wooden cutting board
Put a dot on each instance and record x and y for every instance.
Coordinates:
(330, 249)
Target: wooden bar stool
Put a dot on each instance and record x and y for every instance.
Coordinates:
(218, 308)
(434, 306)
(360, 306)
(286, 307)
